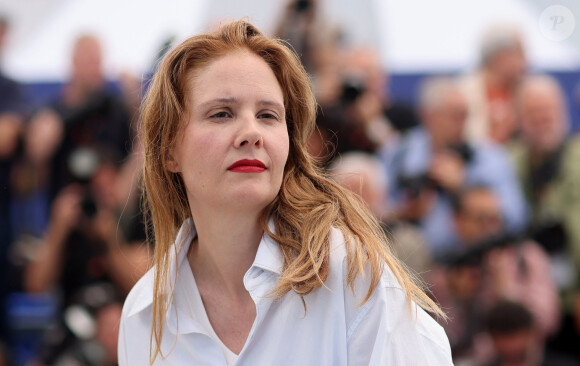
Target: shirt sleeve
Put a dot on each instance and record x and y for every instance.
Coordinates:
(387, 332)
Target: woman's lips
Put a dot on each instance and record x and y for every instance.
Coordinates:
(247, 166)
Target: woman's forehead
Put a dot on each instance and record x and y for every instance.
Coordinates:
(234, 77)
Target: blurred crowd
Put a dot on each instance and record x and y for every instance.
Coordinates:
(477, 185)
(73, 238)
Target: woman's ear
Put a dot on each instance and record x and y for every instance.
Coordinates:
(171, 163)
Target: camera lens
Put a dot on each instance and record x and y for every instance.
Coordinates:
(302, 5)
(83, 163)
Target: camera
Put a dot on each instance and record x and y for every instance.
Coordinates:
(83, 163)
(551, 235)
(352, 89)
(413, 185)
(473, 255)
(73, 341)
(463, 150)
(302, 6)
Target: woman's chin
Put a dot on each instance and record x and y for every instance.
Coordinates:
(250, 201)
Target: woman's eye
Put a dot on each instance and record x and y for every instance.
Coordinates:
(267, 115)
(222, 114)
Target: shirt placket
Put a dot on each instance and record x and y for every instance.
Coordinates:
(259, 284)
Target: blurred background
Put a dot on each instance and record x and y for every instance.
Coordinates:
(455, 121)
(413, 38)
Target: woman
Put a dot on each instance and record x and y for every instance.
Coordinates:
(273, 263)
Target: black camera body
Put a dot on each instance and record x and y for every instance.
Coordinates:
(302, 6)
(414, 184)
(473, 255)
(551, 235)
(352, 89)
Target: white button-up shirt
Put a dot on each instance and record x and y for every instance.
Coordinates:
(333, 330)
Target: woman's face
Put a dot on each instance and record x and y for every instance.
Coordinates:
(234, 146)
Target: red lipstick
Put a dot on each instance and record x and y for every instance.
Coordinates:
(247, 166)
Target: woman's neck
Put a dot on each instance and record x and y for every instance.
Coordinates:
(224, 250)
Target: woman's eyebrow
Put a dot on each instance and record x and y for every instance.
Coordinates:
(230, 101)
(271, 103)
(218, 101)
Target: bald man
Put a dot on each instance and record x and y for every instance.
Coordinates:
(547, 159)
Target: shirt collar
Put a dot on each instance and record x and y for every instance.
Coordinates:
(268, 257)
(144, 297)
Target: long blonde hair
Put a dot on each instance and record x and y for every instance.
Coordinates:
(308, 205)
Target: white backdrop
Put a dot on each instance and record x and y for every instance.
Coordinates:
(412, 35)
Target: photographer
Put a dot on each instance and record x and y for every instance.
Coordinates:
(364, 174)
(362, 116)
(491, 89)
(13, 110)
(516, 341)
(546, 157)
(91, 241)
(86, 223)
(438, 162)
(487, 267)
(89, 111)
(304, 26)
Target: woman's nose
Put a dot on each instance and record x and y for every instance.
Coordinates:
(250, 133)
